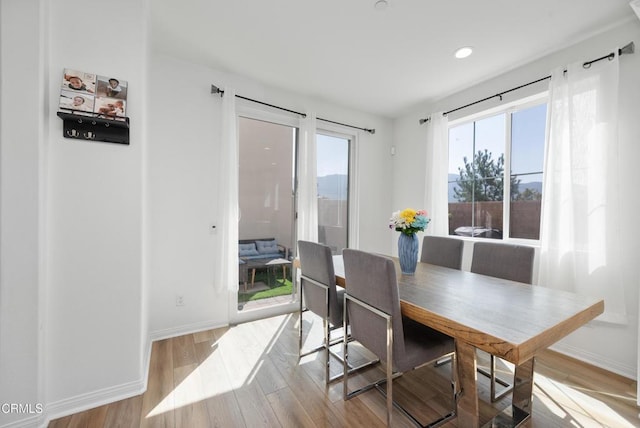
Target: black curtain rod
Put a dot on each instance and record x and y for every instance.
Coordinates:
(629, 48)
(370, 131)
(499, 95)
(216, 90)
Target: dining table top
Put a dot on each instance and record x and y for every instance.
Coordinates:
(508, 319)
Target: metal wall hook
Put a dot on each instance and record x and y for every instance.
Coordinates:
(95, 128)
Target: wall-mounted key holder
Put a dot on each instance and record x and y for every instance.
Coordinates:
(93, 128)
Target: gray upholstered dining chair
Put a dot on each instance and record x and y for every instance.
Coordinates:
(442, 251)
(512, 262)
(372, 310)
(320, 295)
(318, 291)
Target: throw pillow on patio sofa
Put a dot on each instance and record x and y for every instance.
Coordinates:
(245, 250)
(268, 247)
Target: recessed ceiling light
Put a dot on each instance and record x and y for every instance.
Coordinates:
(381, 4)
(464, 52)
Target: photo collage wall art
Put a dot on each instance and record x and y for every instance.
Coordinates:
(92, 95)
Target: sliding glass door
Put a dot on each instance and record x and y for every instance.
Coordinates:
(266, 226)
(333, 190)
(267, 206)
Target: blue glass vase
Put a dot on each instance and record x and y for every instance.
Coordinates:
(408, 253)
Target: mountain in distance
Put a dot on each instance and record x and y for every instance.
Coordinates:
(333, 186)
(534, 185)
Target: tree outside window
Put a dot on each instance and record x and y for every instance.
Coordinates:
(483, 179)
(477, 186)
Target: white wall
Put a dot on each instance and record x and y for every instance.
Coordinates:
(184, 136)
(613, 347)
(95, 316)
(409, 169)
(22, 123)
(183, 187)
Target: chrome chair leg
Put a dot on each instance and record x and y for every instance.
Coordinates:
(328, 351)
(391, 375)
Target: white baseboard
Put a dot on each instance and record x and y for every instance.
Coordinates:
(185, 329)
(596, 360)
(83, 402)
(79, 403)
(34, 421)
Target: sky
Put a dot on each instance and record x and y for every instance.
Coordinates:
(528, 135)
(527, 156)
(333, 155)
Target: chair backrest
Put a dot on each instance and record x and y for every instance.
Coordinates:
(372, 279)
(513, 262)
(442, 251)
(316, 262)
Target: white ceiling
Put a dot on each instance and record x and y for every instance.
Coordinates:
(382, 62)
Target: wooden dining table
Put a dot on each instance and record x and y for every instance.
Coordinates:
(508, 319)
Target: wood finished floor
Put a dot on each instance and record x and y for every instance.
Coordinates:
(249, 376)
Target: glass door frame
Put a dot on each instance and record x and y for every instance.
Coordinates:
(350, 165)
(244, 111)
(353, 187)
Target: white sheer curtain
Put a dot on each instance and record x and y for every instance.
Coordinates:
(307, 180)
(436, 197)
(580, 245)
(227, 276)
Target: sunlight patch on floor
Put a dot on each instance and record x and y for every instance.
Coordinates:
(571, 404)
(211, 378)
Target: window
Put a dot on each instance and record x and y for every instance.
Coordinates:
(494, 159)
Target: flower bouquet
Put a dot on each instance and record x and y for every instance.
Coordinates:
(409, 221)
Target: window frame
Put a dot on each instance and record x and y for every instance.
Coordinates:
(508, 109)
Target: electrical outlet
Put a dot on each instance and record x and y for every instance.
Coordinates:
(179, 300)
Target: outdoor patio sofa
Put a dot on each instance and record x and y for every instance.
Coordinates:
(256, 252)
